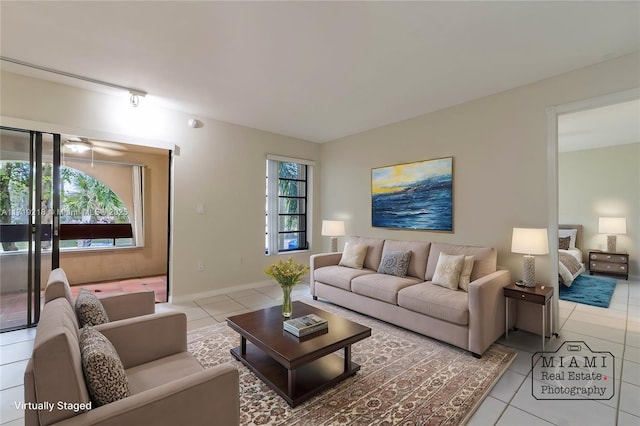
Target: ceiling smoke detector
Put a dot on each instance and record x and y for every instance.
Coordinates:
(194, 123)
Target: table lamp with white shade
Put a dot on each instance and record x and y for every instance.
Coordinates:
(530, 242)
(333, 229)
(612, 226)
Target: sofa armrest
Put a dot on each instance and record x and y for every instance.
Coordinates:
(129, 305)
(324, 259)
(319, 261)
(205, 398)
(147, 338)
(486, 310)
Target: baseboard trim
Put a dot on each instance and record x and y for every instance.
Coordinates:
(217, 292)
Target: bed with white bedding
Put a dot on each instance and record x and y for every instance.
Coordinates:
(570, 263)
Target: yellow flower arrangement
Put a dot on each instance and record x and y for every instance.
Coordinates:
(287, 273)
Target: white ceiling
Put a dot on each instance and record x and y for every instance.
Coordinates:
(611, 125)
(316, 70)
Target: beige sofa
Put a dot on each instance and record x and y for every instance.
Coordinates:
(167, 386)
(471, 320)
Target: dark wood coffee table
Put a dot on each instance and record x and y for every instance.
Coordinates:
(297, 368)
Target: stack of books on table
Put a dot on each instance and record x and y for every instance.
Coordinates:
(305, 325)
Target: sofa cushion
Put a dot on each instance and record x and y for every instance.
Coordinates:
(437, 302)
(448, 270)
(353, 255)
(419, 255)
(103, 370)
(381, 287)
(56, 360)
(339, 276)
(57, 286)
(485, 258)
(374, 250)
(89, 309)
(164, 370)
(465, 275)
(395, 263)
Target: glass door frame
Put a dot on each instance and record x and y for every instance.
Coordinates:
(37, 232)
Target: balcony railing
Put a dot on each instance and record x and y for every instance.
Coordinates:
(13, 233)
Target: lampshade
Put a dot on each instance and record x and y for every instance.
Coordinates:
(332, 228)
(530, 241)
(612, 225)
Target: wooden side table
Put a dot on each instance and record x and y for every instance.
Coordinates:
(540, 295)
(607, 263)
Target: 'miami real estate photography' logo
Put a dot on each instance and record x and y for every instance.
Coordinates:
(573, 371)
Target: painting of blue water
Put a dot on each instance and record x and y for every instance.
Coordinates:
(413, 196)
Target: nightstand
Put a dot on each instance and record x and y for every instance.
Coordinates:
(607, 263)
(540, 295)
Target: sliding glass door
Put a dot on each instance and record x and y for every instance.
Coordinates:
(29, 208)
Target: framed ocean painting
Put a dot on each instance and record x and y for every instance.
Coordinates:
(413, 195)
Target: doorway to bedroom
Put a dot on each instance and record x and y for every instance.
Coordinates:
(598, 153)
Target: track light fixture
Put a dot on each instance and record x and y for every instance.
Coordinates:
(135, 95)
(134, 99)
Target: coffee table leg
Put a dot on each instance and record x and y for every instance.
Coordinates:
(243, 346)
(291, 382)
(347, 358)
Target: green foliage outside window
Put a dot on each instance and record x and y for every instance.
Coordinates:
(292, 205)
(83, 199)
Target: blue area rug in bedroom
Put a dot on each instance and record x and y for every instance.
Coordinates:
(589, 290)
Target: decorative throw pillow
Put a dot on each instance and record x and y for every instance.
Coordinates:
(564, 242)
(89, 310)
(448, 270)
(465, 274)
(395, 263)
(571, 233)
(353, 255)
(102, 367)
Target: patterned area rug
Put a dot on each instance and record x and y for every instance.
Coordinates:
(405, 378)
(589, 290)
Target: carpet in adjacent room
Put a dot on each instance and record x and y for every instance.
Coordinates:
(589, 290)
(405, 378)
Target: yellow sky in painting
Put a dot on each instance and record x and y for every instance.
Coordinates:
(396, 178)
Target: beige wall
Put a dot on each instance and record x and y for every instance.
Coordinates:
(602, 182)
(499, 145)
(223, 167)
(220, 165)
(498, 142)
(91, 266)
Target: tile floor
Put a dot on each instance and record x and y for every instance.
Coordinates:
(510, 402)
(13, 305)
